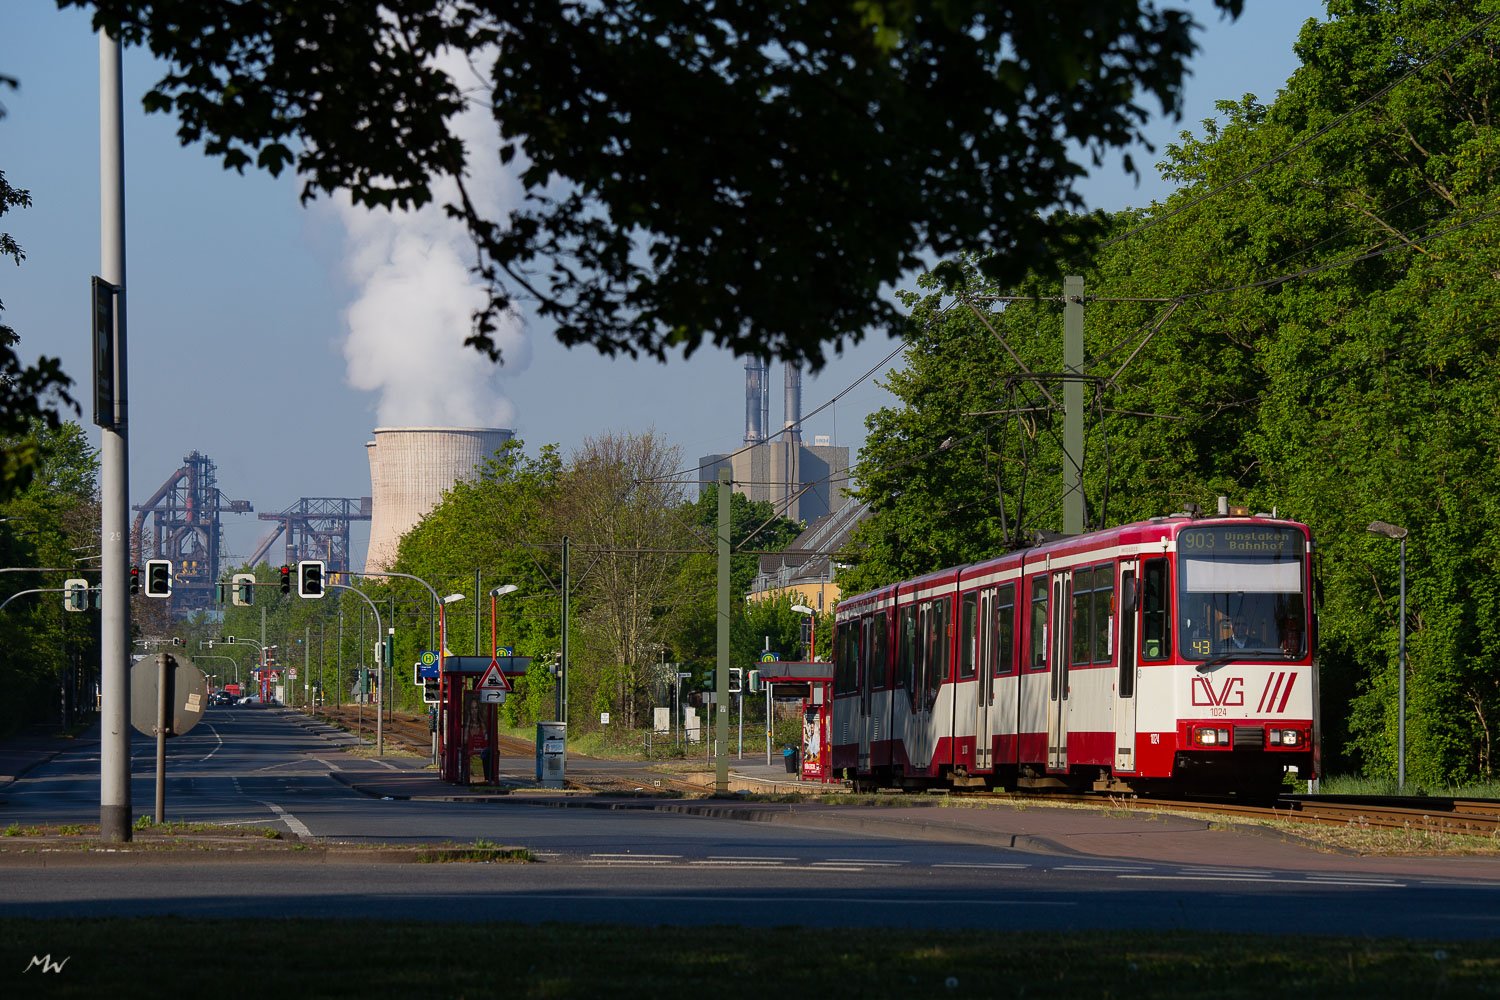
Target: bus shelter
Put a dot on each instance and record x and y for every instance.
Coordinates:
(813, 683)
(469, 697)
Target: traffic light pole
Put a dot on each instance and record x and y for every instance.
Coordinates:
(380, 667)
(114, 470)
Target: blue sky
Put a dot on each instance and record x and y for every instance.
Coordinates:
(242, 301)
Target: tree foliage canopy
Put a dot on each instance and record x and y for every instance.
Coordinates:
(745, 174)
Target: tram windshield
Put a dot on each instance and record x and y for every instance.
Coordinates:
(1240, 590)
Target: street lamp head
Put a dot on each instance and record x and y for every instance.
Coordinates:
(1388, 530)
(501, 591)
(803, 609)
(453, 597)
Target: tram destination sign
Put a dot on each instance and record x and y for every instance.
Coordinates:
(1241, 540)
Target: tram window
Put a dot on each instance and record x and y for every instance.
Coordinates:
(856, 667)
(1156, 611)
(1104, 594)
(1083, 603)
(1093, 591)
(1004, 651)
(1036, 653)
(968, 642)
(906, 649)
(879, 666)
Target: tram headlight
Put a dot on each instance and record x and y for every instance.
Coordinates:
(1286, 737)
(1210, 736)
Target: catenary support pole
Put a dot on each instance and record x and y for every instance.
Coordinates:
(114, 473)
(1072, 466)
(562, 665)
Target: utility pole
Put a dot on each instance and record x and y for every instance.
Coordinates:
(721, 674)
(114, 468)
(1072, 465)
(562, 665)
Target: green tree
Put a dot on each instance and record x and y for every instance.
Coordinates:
(501, 523)
(621, 504)
(51, 522)
(856, 136)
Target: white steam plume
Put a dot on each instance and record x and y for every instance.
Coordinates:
(417, 296)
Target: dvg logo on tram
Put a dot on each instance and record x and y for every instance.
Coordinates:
(1230, 695)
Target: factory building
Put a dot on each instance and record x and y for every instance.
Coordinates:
(803, 482)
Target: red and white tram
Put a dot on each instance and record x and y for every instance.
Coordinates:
(1175, 652)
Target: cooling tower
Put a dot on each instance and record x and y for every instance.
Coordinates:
(410, 468)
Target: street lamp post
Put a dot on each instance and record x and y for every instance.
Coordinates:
(812, 630)
(1399, 533)
(379, 666)
(500, 591)
(442, 651)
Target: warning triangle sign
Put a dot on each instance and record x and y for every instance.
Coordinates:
(492, 679)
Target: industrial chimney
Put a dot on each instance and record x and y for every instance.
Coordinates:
(757, 401)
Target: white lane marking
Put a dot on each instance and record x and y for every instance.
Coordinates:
(634, 857)
(293, 823)
(1196, 870)
(1103, 868)
(1261, 881)
(1356, 880)
(954, 864)
(218, 743)
(860, 861)
(748, 857)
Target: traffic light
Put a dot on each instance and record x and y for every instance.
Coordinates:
(221, 592)
(755, 685)
(244, 590)
(310, 578)
(135, 580)
(734, 680)
(76, 595)
(158, 578)
(286, 579)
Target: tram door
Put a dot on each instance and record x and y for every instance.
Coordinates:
(983, 654)
(1125, 721)
(868, 664)
(920, 736)
(1057, 688)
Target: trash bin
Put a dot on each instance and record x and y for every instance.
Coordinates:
(789, 758)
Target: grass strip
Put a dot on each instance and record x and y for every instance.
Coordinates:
(152, 957)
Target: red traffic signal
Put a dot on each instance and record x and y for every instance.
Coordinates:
(286, 579)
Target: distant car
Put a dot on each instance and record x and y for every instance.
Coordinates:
(250, 699)
(221, 698)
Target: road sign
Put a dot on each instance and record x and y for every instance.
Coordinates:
(427, 664)
(770, 657)
(492, 679)
(187, 694)
(492, 686)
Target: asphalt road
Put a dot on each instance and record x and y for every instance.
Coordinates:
(261, 768)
